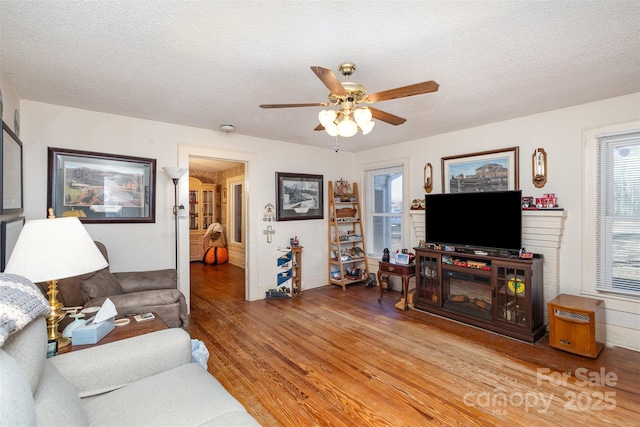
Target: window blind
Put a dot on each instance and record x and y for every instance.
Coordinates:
(618, 213)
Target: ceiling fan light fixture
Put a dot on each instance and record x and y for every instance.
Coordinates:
(362, 115)
(347, 127)
(331, 129)
(327, 117)
(367, 127)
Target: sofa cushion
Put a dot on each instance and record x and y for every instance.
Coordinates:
(56, 400)
(29, 348)
(16, 401)
(186, 395)
(101, 284)
(70, 293)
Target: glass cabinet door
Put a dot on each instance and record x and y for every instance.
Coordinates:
(428, 289)
(511, 295)
(193, 210)
(208, 208)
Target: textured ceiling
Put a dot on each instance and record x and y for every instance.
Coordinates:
(206, 63)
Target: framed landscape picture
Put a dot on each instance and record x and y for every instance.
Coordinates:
(495, 170)
(299, 196)
(101, 188)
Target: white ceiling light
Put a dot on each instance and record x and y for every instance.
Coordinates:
(347, 127)
(227, 128)
(362, 116)
(339, 122)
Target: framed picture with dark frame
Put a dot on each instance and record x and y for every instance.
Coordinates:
(494, 170)
(9, 232)
(101, 188)
(299, 196)
(11, 168)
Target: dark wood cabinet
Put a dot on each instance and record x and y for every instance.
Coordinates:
(501, 294)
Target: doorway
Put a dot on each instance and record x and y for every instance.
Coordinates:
(218, 198)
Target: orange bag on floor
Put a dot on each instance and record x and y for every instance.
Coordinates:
(215, 255)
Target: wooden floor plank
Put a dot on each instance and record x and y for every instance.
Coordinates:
(330, 357)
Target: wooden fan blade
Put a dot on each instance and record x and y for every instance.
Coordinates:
(402, 92)
(386, 117)
(319, 127)
(330, 80)
(317, 104)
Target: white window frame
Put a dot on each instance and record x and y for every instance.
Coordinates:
(590, 217)
(232, 184)
(403, 164)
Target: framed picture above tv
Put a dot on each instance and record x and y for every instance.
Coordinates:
(101, 188)
(495, 170)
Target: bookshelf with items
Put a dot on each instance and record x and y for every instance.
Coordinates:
(347, 251)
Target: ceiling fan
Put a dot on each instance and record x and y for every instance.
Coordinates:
(352, 99)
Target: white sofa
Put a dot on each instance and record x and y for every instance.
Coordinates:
(145, 380)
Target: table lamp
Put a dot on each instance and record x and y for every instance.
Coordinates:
(48, 250)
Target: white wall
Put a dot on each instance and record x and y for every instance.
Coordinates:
(151, 246)
(560, 133)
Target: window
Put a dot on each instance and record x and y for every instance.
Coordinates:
(384, 209)
(236, 210)
(618, 212)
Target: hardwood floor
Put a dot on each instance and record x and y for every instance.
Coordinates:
(330, 357)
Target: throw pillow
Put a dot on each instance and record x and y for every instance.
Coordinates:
(20, 302)
(101, 284)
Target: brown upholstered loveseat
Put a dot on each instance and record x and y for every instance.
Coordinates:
(131, 292)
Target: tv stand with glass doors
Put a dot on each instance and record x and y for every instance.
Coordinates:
(502, 294)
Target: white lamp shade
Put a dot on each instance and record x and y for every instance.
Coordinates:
(362, 116)
(327, 117)
(331, 129)
(347, 128)
(52, 249)
(174, 173)
(367, 127)
(182, 212)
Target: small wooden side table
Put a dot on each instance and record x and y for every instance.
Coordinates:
(401, 270)
(132, 329)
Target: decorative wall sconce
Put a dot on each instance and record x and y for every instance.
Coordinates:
(539, 167)
(428, 177)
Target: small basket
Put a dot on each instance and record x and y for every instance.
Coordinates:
(345, 213)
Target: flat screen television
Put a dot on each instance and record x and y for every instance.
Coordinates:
(491, 220)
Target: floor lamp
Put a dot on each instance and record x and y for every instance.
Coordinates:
(178, 210)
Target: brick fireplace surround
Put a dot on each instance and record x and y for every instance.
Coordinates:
(541, 233)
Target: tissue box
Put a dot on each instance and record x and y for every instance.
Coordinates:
(92, 333)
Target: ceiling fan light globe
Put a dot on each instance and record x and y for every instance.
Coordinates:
(327, 117)
(367, 127)
(362, 116)
(347, 128)
(331, 129)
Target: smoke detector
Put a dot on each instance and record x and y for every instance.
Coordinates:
(227, 128)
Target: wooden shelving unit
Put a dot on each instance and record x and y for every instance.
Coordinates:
(296, 259)
(347, 251)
